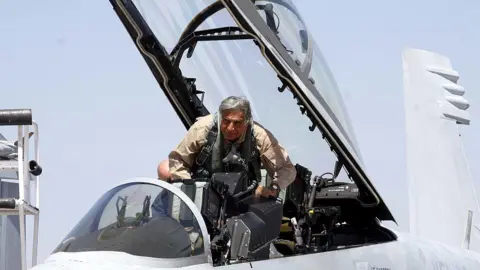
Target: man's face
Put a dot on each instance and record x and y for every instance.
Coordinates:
(233, 125)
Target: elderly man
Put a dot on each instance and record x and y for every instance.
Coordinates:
(241, 141)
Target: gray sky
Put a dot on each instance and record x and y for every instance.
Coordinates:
(103, 118)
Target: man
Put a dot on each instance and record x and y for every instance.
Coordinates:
(240, 142)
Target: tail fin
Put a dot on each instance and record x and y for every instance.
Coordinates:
(441, 187)
(2, 138)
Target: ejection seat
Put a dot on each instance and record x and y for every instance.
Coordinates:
(194, 190)
(178, 210)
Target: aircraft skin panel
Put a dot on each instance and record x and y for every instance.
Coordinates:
(405, 254)
(441, 187)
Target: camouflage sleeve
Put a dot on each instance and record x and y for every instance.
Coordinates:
(182, 158)
(275, 159)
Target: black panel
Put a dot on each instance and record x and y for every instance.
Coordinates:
(211, 204)
(268, 210)
(255, 229)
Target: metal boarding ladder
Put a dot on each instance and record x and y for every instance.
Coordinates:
(23, 205)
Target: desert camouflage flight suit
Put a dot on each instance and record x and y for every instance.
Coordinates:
(273, 156)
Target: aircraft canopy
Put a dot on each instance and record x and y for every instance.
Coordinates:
(141, 218)
(202, 51)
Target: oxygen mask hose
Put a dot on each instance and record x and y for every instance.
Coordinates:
(247, 190)
(233, 158)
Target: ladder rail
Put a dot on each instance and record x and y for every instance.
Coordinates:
(36, 218)
(22, 149)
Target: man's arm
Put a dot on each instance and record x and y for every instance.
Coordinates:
(275, 159)
(183, 156)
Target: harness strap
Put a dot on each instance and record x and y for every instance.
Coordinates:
(255, 160)
(207, 149)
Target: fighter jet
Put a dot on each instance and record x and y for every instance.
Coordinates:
(326, 219)
(9, 149)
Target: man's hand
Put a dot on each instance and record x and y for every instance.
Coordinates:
(265, 192)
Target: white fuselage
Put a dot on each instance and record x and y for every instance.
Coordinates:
(406, 253)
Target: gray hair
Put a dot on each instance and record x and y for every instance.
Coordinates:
(237, 104)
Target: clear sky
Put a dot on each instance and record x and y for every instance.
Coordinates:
(103, 118)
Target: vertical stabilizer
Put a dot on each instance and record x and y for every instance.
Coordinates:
(441, 188)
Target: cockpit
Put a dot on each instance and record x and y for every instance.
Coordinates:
(202, 222)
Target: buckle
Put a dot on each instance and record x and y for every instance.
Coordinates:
(202, 157)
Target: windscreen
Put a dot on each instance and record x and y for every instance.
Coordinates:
(285, 21)
(237, 67)
(140, 219)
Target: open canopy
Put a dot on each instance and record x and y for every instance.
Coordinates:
(201, 51)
